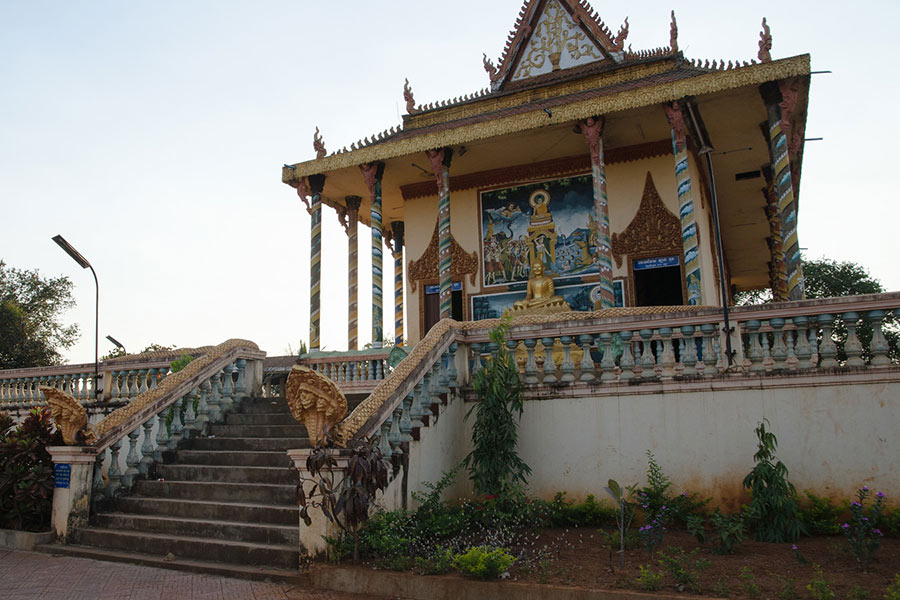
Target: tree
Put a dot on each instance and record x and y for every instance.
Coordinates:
(31, 330)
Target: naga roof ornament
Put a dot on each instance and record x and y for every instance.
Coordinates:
(408, 96)
(765, 43)
(673, 34)
(319, 145)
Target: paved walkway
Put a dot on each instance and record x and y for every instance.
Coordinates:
(36, 576)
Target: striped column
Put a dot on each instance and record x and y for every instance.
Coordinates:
(777, 271)
(316, 184)
(685, 205)
(373, 172)
(593, 132)
(784, 190)
(397, 231)
(353, 203)
(440, 165)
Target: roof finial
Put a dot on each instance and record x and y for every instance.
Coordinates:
(765, 43)
(673, 34)
(408, 96)
(319, 145)
(619, 40)
(489, 67)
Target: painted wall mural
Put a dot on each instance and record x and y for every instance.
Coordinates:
(551, 221)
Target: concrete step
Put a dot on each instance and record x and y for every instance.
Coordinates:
(202, 528)
(265, 405)
(252, 444)
(289, 576)
(281, 556)
(239, 459)
(247, 512)
(290, 430)
(227, 474)
(263, 493)
(259, 418)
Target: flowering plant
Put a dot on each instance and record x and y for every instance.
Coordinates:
(654, 527)
(862, 529)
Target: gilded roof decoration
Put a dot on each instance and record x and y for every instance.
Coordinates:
(653, 229)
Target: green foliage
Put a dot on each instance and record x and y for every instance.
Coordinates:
(649, 580)
(862, 529)
(748, 582)
(483, 562)
(436, 564)
(658, 494)
(820, 516)
(891, 522)
(180, 362)
(494, 465)
(682, 568)
(773, 512)
(696, 526)
(819, 587)
(729, 531)
(26, 470)
(892, 592)
(721, 589)
(31, 308)
(590, 513)
(625, 510)
(858, 593)
(788, 589)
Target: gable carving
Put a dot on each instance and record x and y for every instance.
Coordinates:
(426, 268)
(653, 229)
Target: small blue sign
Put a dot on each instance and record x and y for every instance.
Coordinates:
(61, 475)
(456, 286)
(656, 263)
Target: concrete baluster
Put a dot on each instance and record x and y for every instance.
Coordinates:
(97, 483)
(878, 348)
(147, 448)
(626, 361)
(853, 347)
(162, 437)
(177, 426)
(132, 460)
(531, 370)
(768, 361)
(142, 377)
(689, 351)
(803, 350)
(708, 355)
(549, 365)
(587, 363)
(439, 378)
(214, 400)
(779, 349)
(201, 423)
(828, 350)
(476, 357)
(406, 419)
(114, 385)
(131, 384)
(113, 473)
(790, 340)
(422, 397)
(153, 376)
(415, 408)
(190, 416)
(647, 362)
(754, 351)
(444, 371)
(666, 357)
(813, 338)
(607, 363)
(452, 372)
(384, 443)
(228, 387)
(568, 366)
(241, 383)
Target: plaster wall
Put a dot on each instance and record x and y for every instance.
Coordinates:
(833, 439)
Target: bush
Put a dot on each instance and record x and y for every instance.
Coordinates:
(892, 592)
(483, 562)
(686, 573)
(729, 531)
(820, 516)
(862, 530)
(649, 580)
(590, 513)
(773, 510)
(819, 587)
(26, 470)
(657, 494)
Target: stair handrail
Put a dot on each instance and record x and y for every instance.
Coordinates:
(149, 404)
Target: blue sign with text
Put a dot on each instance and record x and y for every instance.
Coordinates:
(61, 475)
(656, 263)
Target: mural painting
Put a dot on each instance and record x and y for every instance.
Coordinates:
(552, 222)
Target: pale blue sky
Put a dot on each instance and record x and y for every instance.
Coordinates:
(151, 135)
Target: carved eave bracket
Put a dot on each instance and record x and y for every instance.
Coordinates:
(462, 263)
(653, 229)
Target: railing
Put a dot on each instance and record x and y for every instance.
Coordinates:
(355, 371)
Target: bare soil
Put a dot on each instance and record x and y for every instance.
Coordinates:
(579, 557)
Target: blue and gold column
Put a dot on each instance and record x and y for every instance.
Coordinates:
(784, 190)
(440, 165)
(316, 185)
(373, 172)
(685, 193)
(593, 132)
(397, 231)
(353, 203)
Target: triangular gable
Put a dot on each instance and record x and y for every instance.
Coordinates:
(552, 35)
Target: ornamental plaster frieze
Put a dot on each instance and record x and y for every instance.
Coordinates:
(706, 83)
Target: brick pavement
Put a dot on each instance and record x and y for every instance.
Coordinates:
(36, 576)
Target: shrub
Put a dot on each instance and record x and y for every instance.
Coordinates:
(819, 587)
(891, 522)
(440, 562)
(862, 530)
(748, 582)
(567, 513)
(649, 580)
(654, 527)
(773, 510)
(678, 507)
(683, 571)
(729, 531)
(820, 516)
(892, 592)
(483, 562)
(858, 593)
(26, 470)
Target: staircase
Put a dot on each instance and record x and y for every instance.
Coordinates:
(222, 504)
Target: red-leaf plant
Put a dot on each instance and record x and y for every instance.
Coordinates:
(346, 500)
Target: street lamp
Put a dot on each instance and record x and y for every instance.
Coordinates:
(117, 343)
(84, 264)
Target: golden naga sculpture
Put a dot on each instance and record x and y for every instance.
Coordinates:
(315, 401)
(540, 297)
(70, 417)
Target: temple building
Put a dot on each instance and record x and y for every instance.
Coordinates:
(601, 163)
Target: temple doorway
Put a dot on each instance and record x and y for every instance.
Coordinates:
(433, 305)
(658, 281)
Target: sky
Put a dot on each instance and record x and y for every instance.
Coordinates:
(151, 135)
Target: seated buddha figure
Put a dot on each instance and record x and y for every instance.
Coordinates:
(540, 294)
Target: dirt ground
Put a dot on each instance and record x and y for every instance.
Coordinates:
(578, 557)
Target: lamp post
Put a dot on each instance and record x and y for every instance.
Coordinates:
(84, 264)
(117, 343)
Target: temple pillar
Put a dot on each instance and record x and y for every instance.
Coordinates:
(352, 221)
(593, 132)
(373, 173)
(440, 165)
(685, 193)
(777, 271)
(397, 231)
(314, 208)
(784, 189)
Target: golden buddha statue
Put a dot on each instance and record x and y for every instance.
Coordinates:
(540, 297)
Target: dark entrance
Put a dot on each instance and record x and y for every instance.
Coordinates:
(433, 304)
(657, 281)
